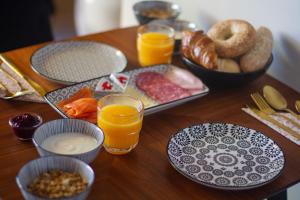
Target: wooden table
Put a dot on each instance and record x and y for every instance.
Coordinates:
(146, 173)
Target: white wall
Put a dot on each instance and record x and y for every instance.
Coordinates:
(281, 16)
(92, 16)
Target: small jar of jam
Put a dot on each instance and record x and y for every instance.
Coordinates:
(25, 124)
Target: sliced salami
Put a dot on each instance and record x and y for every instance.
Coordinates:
(159, 88)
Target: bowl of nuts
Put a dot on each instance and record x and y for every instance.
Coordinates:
(55, 177)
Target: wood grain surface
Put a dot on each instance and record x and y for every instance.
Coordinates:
(145, 173)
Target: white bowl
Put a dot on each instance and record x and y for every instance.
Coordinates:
(68, 126)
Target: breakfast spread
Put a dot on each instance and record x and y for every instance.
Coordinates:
(57, 184)
(69, 143)
(231, 46)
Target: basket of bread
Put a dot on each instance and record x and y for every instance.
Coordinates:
(231, 53)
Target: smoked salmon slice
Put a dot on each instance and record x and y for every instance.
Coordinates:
(81, 105)
(85, 92)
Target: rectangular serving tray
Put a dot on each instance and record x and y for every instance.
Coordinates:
(55, 96)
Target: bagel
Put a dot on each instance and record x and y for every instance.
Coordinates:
(259, 55)
(232, 37)
(228, 65)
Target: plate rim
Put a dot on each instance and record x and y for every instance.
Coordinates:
(228, 188)
(34, 68)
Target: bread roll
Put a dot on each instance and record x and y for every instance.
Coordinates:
(22, 83)
(198, 47)
(9, 83)
(232, 37)
(3, 91)
(228, 65)
(259, 55)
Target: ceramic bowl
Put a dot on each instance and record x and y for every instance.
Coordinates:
(141, 7)
(34, 168)
(217, 79)
(24, 125)
(68, 126)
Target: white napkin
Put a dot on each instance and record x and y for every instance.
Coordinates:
(280, 120)
(34, 97)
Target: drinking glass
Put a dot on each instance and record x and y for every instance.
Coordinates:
(155, 44)
(120, 117)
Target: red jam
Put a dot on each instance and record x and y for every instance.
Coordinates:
(24, 125)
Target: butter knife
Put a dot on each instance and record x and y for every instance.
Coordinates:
(10, 64)
(273, 121)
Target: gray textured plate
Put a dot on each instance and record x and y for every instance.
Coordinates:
(56, 96)
(76, 61)
(225, 156)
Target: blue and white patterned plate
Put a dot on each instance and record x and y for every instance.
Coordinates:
(76, 61)
(225, 156)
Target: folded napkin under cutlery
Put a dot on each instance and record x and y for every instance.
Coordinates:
(279, 123)
(11, 82)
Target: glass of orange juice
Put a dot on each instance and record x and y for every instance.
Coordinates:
(120, 117)
(155, 44)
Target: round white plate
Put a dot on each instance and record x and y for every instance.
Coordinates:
(76, 61)
(225, 156)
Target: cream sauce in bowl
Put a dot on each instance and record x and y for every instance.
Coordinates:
(69, 143)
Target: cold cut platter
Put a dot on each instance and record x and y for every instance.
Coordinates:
(159, 87)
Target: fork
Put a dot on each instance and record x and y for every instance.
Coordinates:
(17, 94)
(265, 108)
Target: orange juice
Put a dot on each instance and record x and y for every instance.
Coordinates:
(154, 48)
(121, 125)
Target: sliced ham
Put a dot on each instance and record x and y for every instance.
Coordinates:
(184, 79)
(159, 88)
